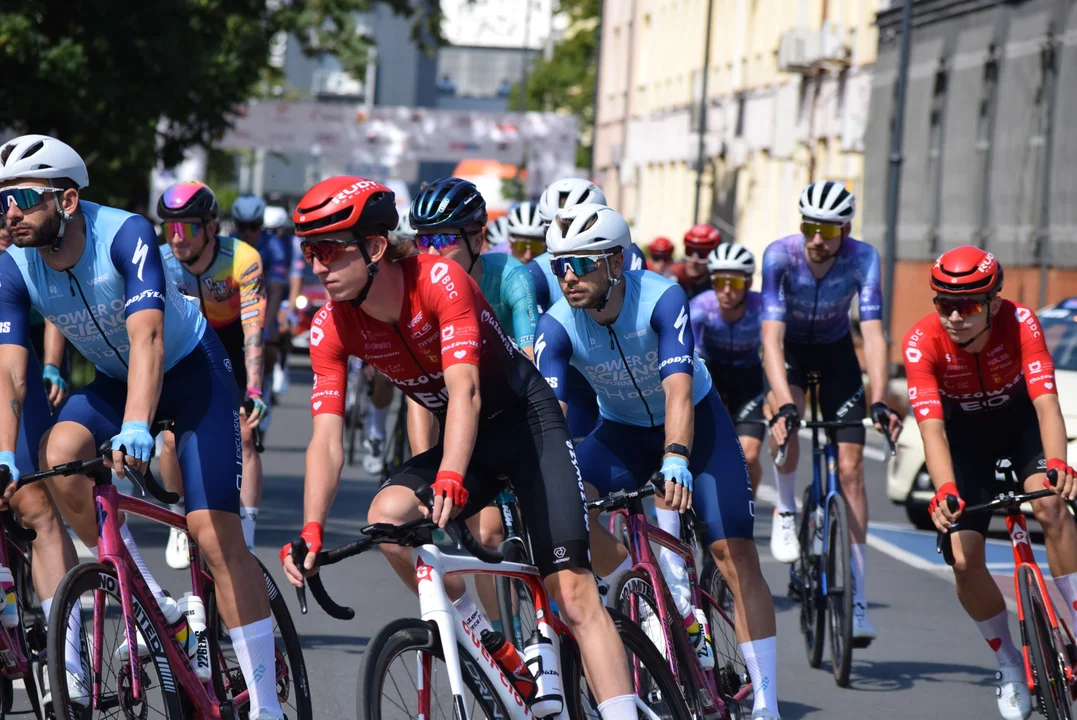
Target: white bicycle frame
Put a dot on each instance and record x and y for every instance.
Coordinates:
(431, 568)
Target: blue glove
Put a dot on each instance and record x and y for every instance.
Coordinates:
(52, 374)
(675, 469)
(136, 440)
(8, 458)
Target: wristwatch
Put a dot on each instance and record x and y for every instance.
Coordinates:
(676, 449)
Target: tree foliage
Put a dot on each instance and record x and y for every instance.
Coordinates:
(105, 75)
(566, 80)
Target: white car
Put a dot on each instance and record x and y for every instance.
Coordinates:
(907, 481)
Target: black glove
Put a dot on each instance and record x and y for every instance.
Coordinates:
(792, 417)
(880, 414)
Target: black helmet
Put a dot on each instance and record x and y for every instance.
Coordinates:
(449, 203)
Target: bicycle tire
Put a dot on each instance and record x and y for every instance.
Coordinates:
(1051, 688)
(407, 634)
(730, 670)
(355, 429)
(839, 598)
(812, 609)
(299, 688)
(88, 578)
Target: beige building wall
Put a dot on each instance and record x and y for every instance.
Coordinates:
(769, 131)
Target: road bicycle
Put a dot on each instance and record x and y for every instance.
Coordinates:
(111, 595)
(356, 404)
(22, 647)
(1049, 651)
(643, 595)
(821, 578)
(448, 652)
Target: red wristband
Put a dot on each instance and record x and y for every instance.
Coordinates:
(254, 392)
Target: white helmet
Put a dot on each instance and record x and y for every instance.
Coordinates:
(497, 231)
(40, 156)
(587, 227)
(565, 193)
(827, 201)
(524, 220)
(403, 226)
(731, 257)
(275, 217)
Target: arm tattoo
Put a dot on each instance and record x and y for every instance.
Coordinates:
(252, 360)
(16, 409)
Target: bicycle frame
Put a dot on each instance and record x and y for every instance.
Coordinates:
(431, 567)
(823, 457)
(13, 662)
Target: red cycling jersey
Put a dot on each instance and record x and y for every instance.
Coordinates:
(444, 320)
(945, 381)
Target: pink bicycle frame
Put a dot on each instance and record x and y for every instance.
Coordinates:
(13, 662)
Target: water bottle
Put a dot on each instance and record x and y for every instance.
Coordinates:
(676, 575)
(180, 628)
(192, 608)
(706, 657)
(509, 659)
(542, 655)
(9, 614)
(817, 531)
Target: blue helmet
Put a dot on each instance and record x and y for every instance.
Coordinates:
(449, 203)
(249, 209)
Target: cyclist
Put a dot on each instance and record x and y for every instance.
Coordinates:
(661, 252)
(276, 221)
(627, 332)
(225, 276)
(725, 323)
(497, 235)
(527, 232)
(424, 323)
(691, 273)
(809, 280)
(95, 273)
(982, 388)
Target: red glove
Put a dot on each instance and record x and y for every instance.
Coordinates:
(1061, 467)
(940, 497)
(312, 534)
(451, 485)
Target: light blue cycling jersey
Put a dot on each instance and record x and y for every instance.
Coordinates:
(817, 311)
(625, 362)
(735, 344)
(509, 289)
(546, 286)
(120, 273)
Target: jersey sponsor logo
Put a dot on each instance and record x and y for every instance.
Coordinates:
(641, 333)
(1024, 315)
(316, 335)
(487, 317)
(681, 323)
(987, 403)
(447, 332)
(100, 279)
(415, 320)
(552, 382)
(678, 360)
(439, 274)
(415, 381)
(540, 345)
(139, 258)
(993, 351)
(1035, 367)
(913, 353)
(432, 401)
(5, 327)
(144, 295)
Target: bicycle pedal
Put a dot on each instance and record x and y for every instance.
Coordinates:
(861, 643)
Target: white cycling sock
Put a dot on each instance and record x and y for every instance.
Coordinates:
(761, 657)
(622, 707)
(472, 615)
(615, 577)
(669, 520)
(132, 548)
(376, 425)
(248, 518)
(73, 655)
(179, 508)
(256, 656)
(787, 490)
(1067, 586)
(996, 632)
(859, 556)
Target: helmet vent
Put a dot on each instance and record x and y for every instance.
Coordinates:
(590, 223)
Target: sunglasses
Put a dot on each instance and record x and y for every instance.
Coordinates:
(829, 232)
(661, 257)
(186, 230)
(579, 266)
(440, 241)
(24, 198)
(248, 227)
(965, 307)
(537, 247)
(697, 255)
(737, 282)
(325, 251)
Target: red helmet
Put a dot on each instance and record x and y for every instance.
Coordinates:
(346, 202)
(705, 237)
(966, 270)
(661, 245)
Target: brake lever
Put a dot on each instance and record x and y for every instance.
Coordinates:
(299, 554)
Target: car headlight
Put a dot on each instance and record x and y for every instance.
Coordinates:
(301, 302)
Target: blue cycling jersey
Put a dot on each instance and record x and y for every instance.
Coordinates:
(734, 344)
(120, 273)
(274, 257)
(817, 311)
(625, 362)
(547, 289)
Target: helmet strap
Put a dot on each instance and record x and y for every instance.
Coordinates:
(371, 271)
(987, 328)
(613, 283)
(64, 219)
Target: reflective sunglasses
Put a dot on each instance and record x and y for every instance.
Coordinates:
(965, 307)
(697, 255)
(522, 245)
(737, 282)
(440, 241)
(580, 266)
(186, 230)
(24, 198)
(829, 232)
(325, 251)
(661, 257)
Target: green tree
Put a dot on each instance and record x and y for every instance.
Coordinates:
(566, 81)
(103, 75)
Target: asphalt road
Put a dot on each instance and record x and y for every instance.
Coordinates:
(928, 661)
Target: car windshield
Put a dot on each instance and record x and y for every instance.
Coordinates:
(1060, 332)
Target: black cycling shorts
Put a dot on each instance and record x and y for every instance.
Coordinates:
(232, 338)
(975, 447)
(530, 444)
(841, 390)
(741, 390)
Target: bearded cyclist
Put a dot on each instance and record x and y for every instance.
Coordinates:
(809, 281)
(982, 388)
(424, 323)
(96, 273)
(699, 242)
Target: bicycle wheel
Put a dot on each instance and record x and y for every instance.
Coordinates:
(355, 425)
(32, 633)
(384, 673)
(1044, 649)
(87, 582)
(839, 591)
(514, 602)
(654, 684)
(293, 690)
(730, 670)
(812, 608)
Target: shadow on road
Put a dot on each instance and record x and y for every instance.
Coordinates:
(343, 643)
(794, 711)
(887, 676)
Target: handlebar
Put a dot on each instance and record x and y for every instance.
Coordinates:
(623, 499)
(413, 533)
(256, 432)
(867, 423)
